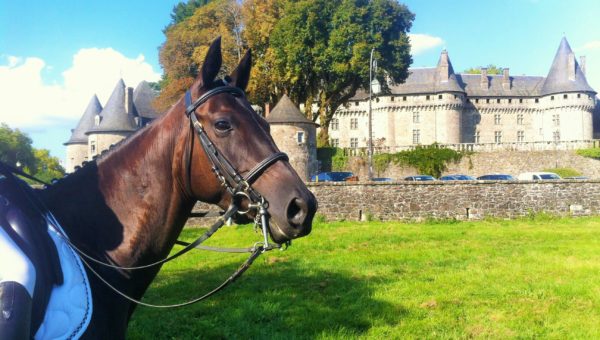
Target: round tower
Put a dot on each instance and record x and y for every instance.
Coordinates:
(295, 135)
(77, 145)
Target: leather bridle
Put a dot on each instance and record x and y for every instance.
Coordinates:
(237, 185)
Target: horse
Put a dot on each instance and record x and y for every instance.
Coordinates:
(128, 206)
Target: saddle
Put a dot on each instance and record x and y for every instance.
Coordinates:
(22, 217)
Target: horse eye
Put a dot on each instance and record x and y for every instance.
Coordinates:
(223, 125)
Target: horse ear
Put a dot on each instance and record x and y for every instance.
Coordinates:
(241, 75)
(212, 62)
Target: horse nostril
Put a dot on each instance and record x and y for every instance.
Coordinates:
(296, 212)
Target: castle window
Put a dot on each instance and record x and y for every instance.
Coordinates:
(537, 100)
(403, 98)
(300, 137)
(377, 100)
(427, 97)
(578, 95)
(498, 137)
(355, 103)
(416, 136)
(93, 148)
(354, 142)
(556, 136)
(551, 97)
(416, 117)
(353, 123)
(520, 136)
(556, 119)
(455, 96)
(520, 119)
(498, 100)
(335, 142)
(487, 101)
(476, 101)
(520, 100)
(565, 96)
(391, 99)
(440, 96)
(97, 119)
(477, 137)
(510, 101)
(497, 119)
(335, 124)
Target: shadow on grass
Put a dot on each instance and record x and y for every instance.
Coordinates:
(271, 300)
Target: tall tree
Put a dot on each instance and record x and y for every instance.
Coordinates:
(322, 50)
(184, 10)
(187, 43)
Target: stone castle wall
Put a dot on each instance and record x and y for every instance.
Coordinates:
(76, 154)
(303, 155)
(510, 162)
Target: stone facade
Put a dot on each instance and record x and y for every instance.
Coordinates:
(295, 135)
(437, 105)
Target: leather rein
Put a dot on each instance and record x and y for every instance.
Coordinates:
(237, 185)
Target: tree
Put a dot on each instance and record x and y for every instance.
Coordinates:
(15, 148)
(187, 43)
(322, 48)
(491, 69)
(183, 10)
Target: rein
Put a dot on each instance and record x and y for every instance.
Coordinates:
(237, 185)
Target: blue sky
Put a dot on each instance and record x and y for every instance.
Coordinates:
(55, 55)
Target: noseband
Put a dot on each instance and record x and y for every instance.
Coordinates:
(237, 185)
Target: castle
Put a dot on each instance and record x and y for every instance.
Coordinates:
(126, 111)
(437, 105)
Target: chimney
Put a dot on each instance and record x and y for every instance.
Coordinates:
(485, 83)
(571, 66)
(129, 100)
(443, 68)
(582, 64)
(505, 79)
(267, 110)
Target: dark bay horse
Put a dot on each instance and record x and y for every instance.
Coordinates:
(129, 206)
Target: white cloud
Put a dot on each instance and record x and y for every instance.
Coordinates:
(25, 100)
(590, 46)
(422, 42)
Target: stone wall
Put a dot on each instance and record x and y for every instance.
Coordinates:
(455, 200)
(510, 162)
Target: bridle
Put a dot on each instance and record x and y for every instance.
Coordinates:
(238, 186)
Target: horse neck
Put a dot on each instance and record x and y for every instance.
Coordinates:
(131, 204)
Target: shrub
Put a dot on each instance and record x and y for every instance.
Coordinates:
(590, 153)
(564, 172)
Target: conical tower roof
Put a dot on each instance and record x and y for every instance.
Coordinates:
(143, 95)
(445, 78)
(286, 112)
(565, 73)
(114, 117)
(86, 122)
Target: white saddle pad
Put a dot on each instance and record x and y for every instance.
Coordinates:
(70, 308)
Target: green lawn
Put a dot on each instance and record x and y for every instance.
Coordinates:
(534, 278)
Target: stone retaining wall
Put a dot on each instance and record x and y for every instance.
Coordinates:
(356, 201)
(459, 200)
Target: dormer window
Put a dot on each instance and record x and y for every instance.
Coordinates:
(97, 120)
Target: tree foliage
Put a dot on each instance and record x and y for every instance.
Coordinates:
(322, 50)
(16, 150)
(491, 69)
(184, 10)
(428, 160)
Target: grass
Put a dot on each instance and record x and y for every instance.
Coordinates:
(536, 277)
(564, 172)
(591, 153)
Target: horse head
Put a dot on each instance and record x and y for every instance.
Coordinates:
(242, 139)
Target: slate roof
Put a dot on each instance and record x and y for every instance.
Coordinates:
(286, 112)
(85, 123)
(114, 117)
(143, 95)
(558, 77)
(428, 81)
